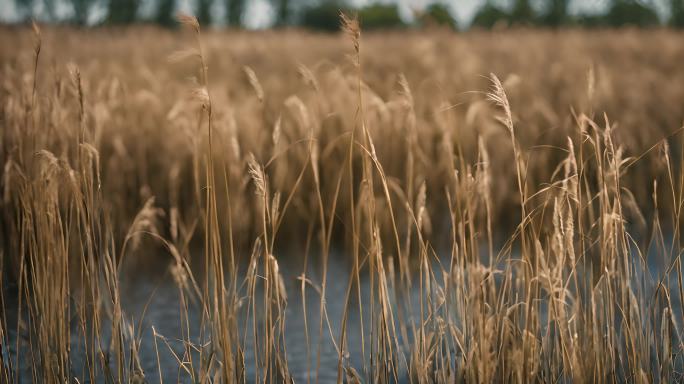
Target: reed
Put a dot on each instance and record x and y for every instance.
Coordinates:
(527, 231)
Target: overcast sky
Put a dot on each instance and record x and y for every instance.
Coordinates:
(259, 13)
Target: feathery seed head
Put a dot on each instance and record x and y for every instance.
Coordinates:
(254, 82)
(257, 174)
(498, 96)
(201, 95)
(188, 21)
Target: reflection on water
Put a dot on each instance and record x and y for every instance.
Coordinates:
(154, 301)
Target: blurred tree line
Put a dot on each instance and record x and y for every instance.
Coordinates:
(324, 14)
(555, 14)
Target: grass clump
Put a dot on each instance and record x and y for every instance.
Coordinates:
(517, 234)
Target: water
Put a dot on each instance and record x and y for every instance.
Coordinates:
(153, 300)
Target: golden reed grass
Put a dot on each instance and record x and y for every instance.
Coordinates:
(537, 218)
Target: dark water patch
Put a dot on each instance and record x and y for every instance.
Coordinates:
(153, 309)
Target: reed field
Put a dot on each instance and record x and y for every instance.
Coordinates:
(419, 206)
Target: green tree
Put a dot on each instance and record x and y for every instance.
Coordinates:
(165, 13)
(631, 12)
(120, 11)
(438, 13)
(324, 16)
(556, 13)
(235, 9)
(50, 9)
(203, 12)
(283, 12)
(522, 12)
(24, 8)
(81, 10)
(380, 16)
(677, 13)
(490, 15)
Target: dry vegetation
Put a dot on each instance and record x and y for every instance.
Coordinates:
(536, 210)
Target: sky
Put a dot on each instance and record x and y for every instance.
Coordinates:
(260, 15)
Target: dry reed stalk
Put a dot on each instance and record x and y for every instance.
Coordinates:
(570, 293)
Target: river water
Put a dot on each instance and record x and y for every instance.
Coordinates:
(153, 300)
